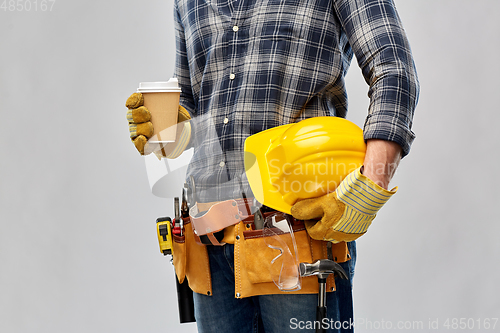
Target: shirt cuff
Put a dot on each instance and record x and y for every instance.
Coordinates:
(384, 127)
(362, 194)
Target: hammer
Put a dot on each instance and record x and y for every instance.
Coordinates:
(322, 268)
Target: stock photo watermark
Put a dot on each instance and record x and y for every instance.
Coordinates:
(309, 177)
(27, 5)
(470, 324)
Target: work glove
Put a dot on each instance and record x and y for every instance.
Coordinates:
(346, 213)
(141, 128)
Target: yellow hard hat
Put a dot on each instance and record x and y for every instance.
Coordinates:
(302, 160)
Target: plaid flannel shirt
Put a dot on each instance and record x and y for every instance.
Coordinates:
(248, 65)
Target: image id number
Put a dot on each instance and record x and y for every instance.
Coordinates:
(27, 5)
(470, 323)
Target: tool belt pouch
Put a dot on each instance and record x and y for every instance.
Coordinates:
(191, 262)
(179, 257)
(253, 257)
(258, 255)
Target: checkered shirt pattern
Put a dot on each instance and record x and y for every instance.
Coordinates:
(248, 65)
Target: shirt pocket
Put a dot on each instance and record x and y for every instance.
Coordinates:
(279, 19)
(277, 30)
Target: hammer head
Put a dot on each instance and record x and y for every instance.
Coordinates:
(322, 268)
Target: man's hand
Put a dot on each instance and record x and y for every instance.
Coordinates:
(381, 161)
(141, 128)
(347, 213)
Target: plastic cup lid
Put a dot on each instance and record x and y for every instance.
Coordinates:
(168, 86)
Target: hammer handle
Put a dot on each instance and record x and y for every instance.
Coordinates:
(320, 315)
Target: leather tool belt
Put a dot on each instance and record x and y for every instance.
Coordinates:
(252, 258)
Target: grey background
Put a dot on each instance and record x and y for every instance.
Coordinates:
(78, 250)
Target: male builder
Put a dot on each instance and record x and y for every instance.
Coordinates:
(245, 66)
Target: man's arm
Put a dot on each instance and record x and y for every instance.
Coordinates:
(381, 160)
(378, 40)
(182, 72)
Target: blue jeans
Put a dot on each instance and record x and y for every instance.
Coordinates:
(223, 313)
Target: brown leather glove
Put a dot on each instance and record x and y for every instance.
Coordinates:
(346, 213)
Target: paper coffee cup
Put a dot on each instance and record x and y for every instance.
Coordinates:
(162, 100)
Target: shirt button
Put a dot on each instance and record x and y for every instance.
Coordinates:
(226, 120)
(236, 28)
(221, 164)
(232, 76)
